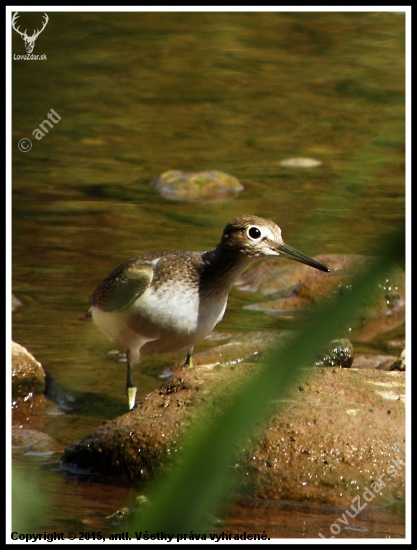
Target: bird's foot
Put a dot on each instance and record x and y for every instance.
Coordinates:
(188, 363)
(131, 396)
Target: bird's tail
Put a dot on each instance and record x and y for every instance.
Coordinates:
(86, 317)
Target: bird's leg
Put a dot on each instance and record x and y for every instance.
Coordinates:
(130, 387)
(130, 384)
(189, 362)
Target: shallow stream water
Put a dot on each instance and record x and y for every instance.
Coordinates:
(141, 93)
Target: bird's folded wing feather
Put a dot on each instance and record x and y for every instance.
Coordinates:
(123, 285)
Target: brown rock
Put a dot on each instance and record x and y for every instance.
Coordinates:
(28, 376)
(294, 287)
(336, 436)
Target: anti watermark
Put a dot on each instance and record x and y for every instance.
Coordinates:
(358, 504)
(25, 144)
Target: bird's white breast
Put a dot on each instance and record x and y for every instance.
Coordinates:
(164, 318)
(179, 309)
(173, 307)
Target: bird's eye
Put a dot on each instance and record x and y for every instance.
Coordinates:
(254, 232)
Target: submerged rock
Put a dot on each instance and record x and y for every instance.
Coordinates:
(212, 186)
(293, 287)
(374, 361)
(301, 162)
(33, 442)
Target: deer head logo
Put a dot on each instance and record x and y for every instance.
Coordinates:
(29, 40)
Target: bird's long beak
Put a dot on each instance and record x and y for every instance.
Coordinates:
(294, 254)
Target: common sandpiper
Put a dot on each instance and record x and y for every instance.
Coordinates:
(169, 301)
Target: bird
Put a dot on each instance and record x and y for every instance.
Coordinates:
(169, 301)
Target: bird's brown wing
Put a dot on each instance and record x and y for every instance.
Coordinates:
(123, 285)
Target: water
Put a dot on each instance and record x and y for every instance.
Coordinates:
(141, 93)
